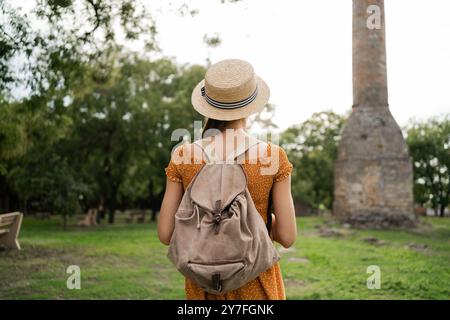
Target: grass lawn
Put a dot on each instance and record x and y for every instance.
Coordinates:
(328, 261)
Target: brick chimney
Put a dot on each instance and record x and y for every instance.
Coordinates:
(373, 181)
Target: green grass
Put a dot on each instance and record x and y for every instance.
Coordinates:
(128, 262)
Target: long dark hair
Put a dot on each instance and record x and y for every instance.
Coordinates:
(214, 124)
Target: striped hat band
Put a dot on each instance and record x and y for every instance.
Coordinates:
(230, 105)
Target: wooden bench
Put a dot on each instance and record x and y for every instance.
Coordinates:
(135, 215)
(89, 220)
(9, 229)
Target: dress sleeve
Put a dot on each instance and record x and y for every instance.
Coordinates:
(285, 166)
(172, 172)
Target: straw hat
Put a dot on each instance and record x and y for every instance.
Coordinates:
(230, 91)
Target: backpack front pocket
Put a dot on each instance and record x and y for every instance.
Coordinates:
(212, 276)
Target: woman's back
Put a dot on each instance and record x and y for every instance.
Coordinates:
(264, 164)
(230, 92)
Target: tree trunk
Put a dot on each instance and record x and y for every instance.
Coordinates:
(112, 202)
(445, 201)
(442, 211)
(100, 215)
(112, 206)
(111, 211)
(24, 206)
(111, 216)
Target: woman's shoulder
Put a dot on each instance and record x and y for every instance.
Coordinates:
(276, 149)
(270, 149)
(280, 158)
(275, 161)
(187, 153)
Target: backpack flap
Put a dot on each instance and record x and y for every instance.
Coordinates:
(217, 185)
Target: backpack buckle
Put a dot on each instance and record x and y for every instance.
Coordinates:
(217, 219)
(217, 284)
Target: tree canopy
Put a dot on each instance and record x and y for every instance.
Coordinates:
(429, 145)
(312, 148)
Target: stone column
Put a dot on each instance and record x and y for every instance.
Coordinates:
(369, 55)
(373, 171)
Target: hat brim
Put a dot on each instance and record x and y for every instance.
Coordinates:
(204, 108)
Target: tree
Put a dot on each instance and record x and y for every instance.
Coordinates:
(44, 52)
(106, 139)
(429, 146)
(122, 124)
(52, 37)
(93, 120)
(312, 148)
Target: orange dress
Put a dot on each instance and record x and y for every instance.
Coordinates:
(269, 284)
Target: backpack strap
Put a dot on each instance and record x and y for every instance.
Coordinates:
(242, 149)
(232, 156)
(209, 156)
(270, 202)
(205, 152)
(269, 212)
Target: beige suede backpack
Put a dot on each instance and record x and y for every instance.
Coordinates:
(220, 240)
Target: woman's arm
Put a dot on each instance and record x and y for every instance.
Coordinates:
(284, 230)
(170, 203)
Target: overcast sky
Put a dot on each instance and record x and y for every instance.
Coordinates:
(302, 49)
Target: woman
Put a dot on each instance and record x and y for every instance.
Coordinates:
(229, 94)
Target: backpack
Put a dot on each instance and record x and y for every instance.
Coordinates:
(220, 240)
